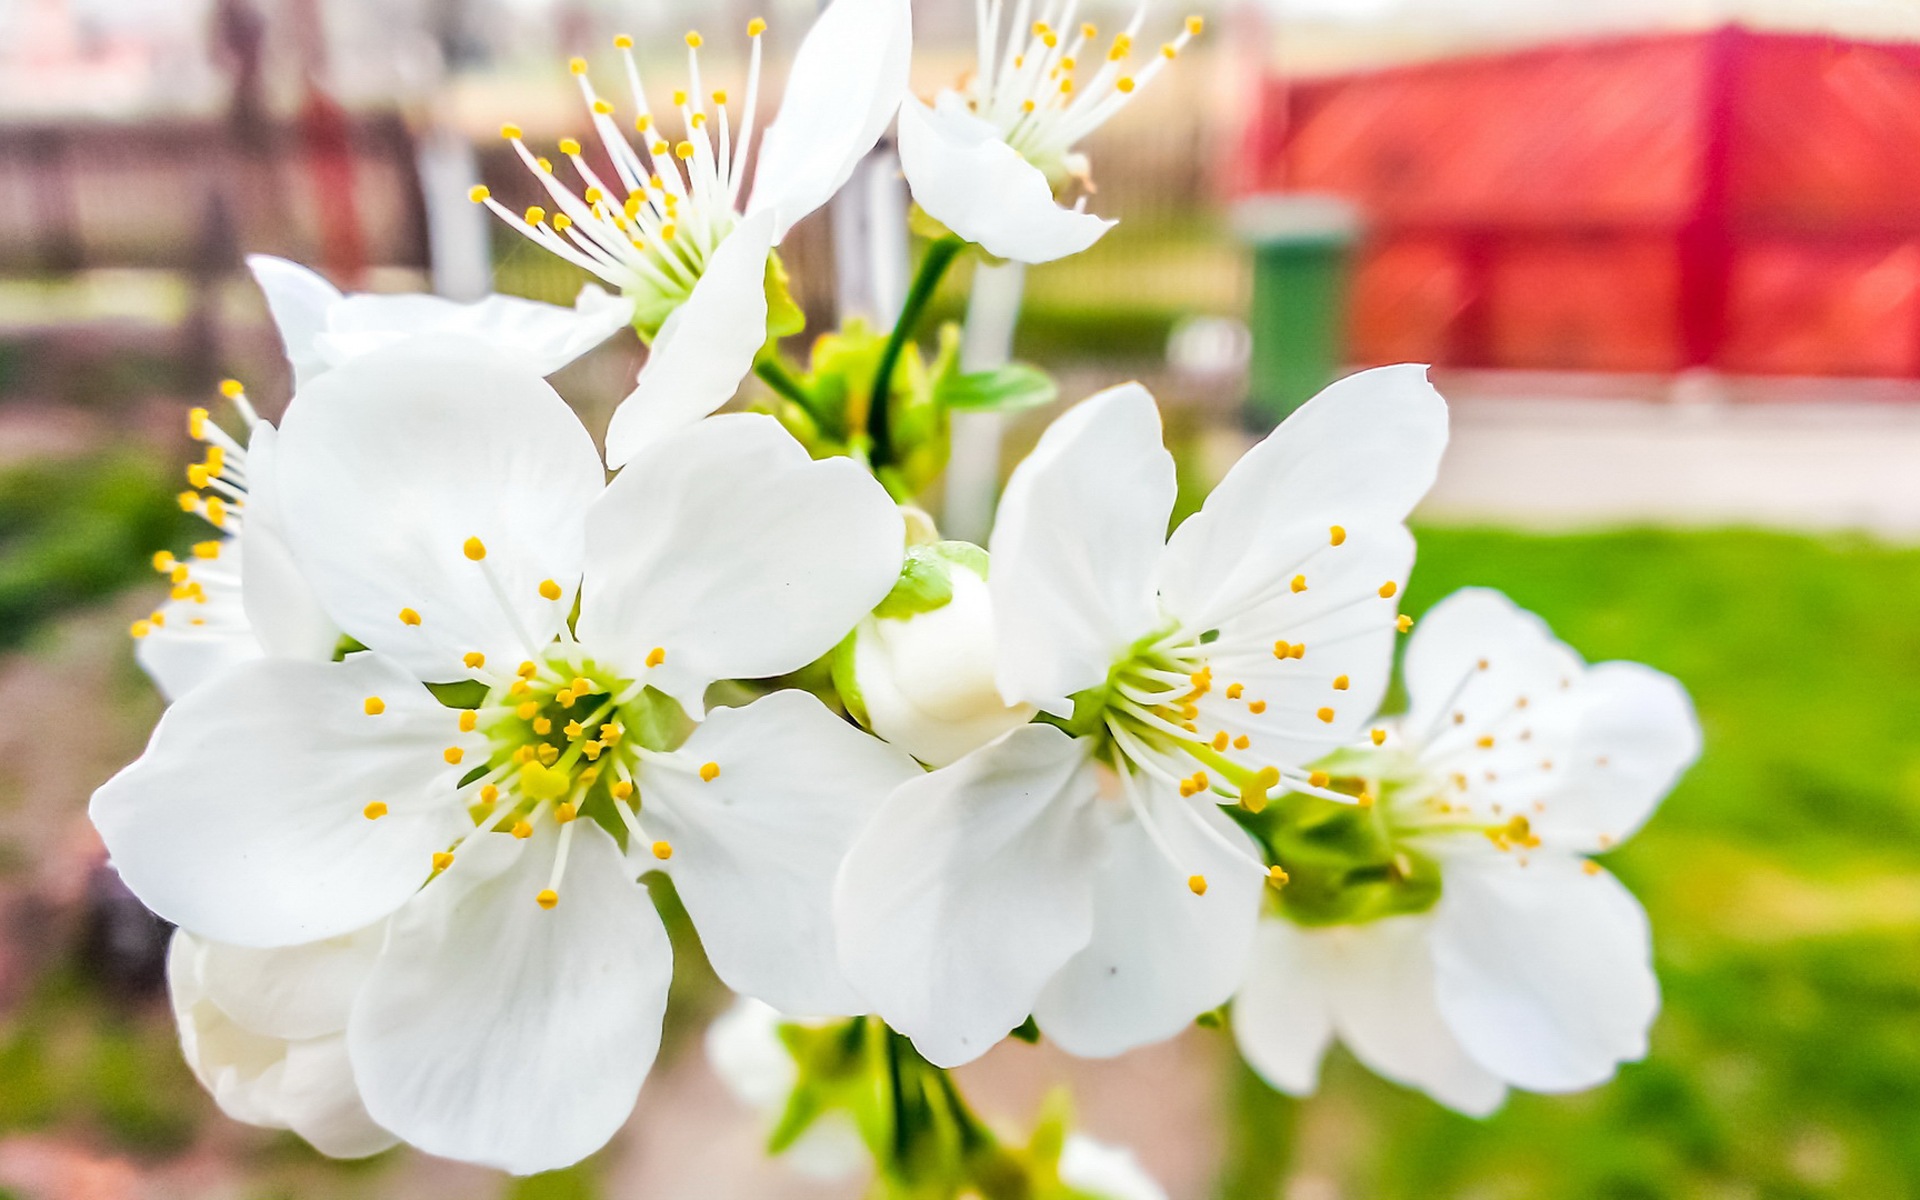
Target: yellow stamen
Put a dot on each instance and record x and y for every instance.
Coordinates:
(656, 656)
(1299, 583)
(478, 193)
(1341, 683)
(522, 830)
(474, 659)
(1379, 737)
(474, 549)
(548, 899)
(663, 850)
(1388, 588)
(453, 755)
(409, 617)
(1325, 715)
(1197, 884)
(374, 811)
(549, 590)
(710, 772)
(1337, 535)
(511, 132)
(1277, 877)
(469, 720)
(442, 860)
(374, 706)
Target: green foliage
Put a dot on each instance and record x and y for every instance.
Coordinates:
(574, 1183)
(75, 532)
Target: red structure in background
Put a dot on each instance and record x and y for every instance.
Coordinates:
(1736, 200)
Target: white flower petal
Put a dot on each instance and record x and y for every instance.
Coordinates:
(1081, 528)
(306, 1085)
(1586, 753)
(243, 821)
(286, 617)
(1160, 955)
(1380, 980)
(970, 889)
(745, 1051)
(706, 347)
(845, 83)
(755, 849)
(1322, 699)
(1283, 1014)
(1105, 1172)
(291, 992)
(497, 1032)
(299, 300)
(927, 681)
(1544, 971)
(1359, 455)
(546, 337)
(967, 178)
(388, 465)
(730, 549)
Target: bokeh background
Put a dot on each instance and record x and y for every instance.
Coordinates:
(1665, 257)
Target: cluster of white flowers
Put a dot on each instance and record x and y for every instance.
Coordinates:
(443, 695)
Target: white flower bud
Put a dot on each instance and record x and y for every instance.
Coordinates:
(1109, 1172)
(745, 1051)
(265, 1033)
(925, 680)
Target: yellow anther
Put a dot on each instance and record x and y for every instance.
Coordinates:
(1379, 737)
(1277, 877)
(1242, 742)
(409, 617)
(566, 812)
(216, 511)
(545, 164)
(197, 475)
(593, 195)
(453, 755)
(602, 108)
(1220, 740)
(479, 193)
(548, 899)
(592, 750)
(709, 771)
(1195, 25)
(374, 706)
(1388, 588)
(1027, 106)
(547, 755)
(188, 501)
(1170, 51)
(375, 810)
(206, 549)
(196, 423)
(1325, 715)
(659, 148)
(1066, 87)
(622, 41)
(527, 710)
(575, 729)
(489, 794)
(549, 590)
(1235, 690)
(564, 697)
(1590, 867)
(720, 98)
(577, 65)
(442, 860)
(528, 669)
(1122, 46)
(1197, 884)
(543, 726)
(694, 40)
(1256, 707)
(522, 830)
(610, 733)
(1404, 623)
(1481, 665)
(474, 660)
(1341, 683)
(140, 629)
(1297, 650)
(570, 147)
(164, 561)
(474, 549)
(511, 132)
(683, 151)
(756, 27)
(622, 789)
(1485, 742)
(656, 656)
(699, 121)
(179, 574)
(1299, 583)
(469, 721)
(1337, 534)
(1202, 680)
(535, 214)
(1125, 84)
(581, 686)
(663, 850)
(1364, 799)
(1089, 31)
(1283, 649)
(1318, 779)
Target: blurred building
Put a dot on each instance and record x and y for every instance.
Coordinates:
(1740, 200)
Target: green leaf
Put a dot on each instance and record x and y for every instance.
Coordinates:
(1011, 388)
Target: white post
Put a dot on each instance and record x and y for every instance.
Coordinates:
(973, 471)
(457, 233)
(870, 240)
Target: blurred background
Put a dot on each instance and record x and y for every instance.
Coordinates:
(1665, 257)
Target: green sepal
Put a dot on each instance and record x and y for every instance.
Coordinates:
(463, 693)
(1027, 1031)
(785, 318)
(926, 583)
(846, 683)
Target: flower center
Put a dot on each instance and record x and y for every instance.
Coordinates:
(204, 597)
(672, 199)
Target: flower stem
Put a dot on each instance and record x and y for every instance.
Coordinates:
(933, 267)
(775, 373)
(1262, 1132)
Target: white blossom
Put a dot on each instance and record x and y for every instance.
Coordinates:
(1534, 968)
(1080, 870)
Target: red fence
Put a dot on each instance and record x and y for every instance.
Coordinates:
(1744, 201)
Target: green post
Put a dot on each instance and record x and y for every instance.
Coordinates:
(1302, 257)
